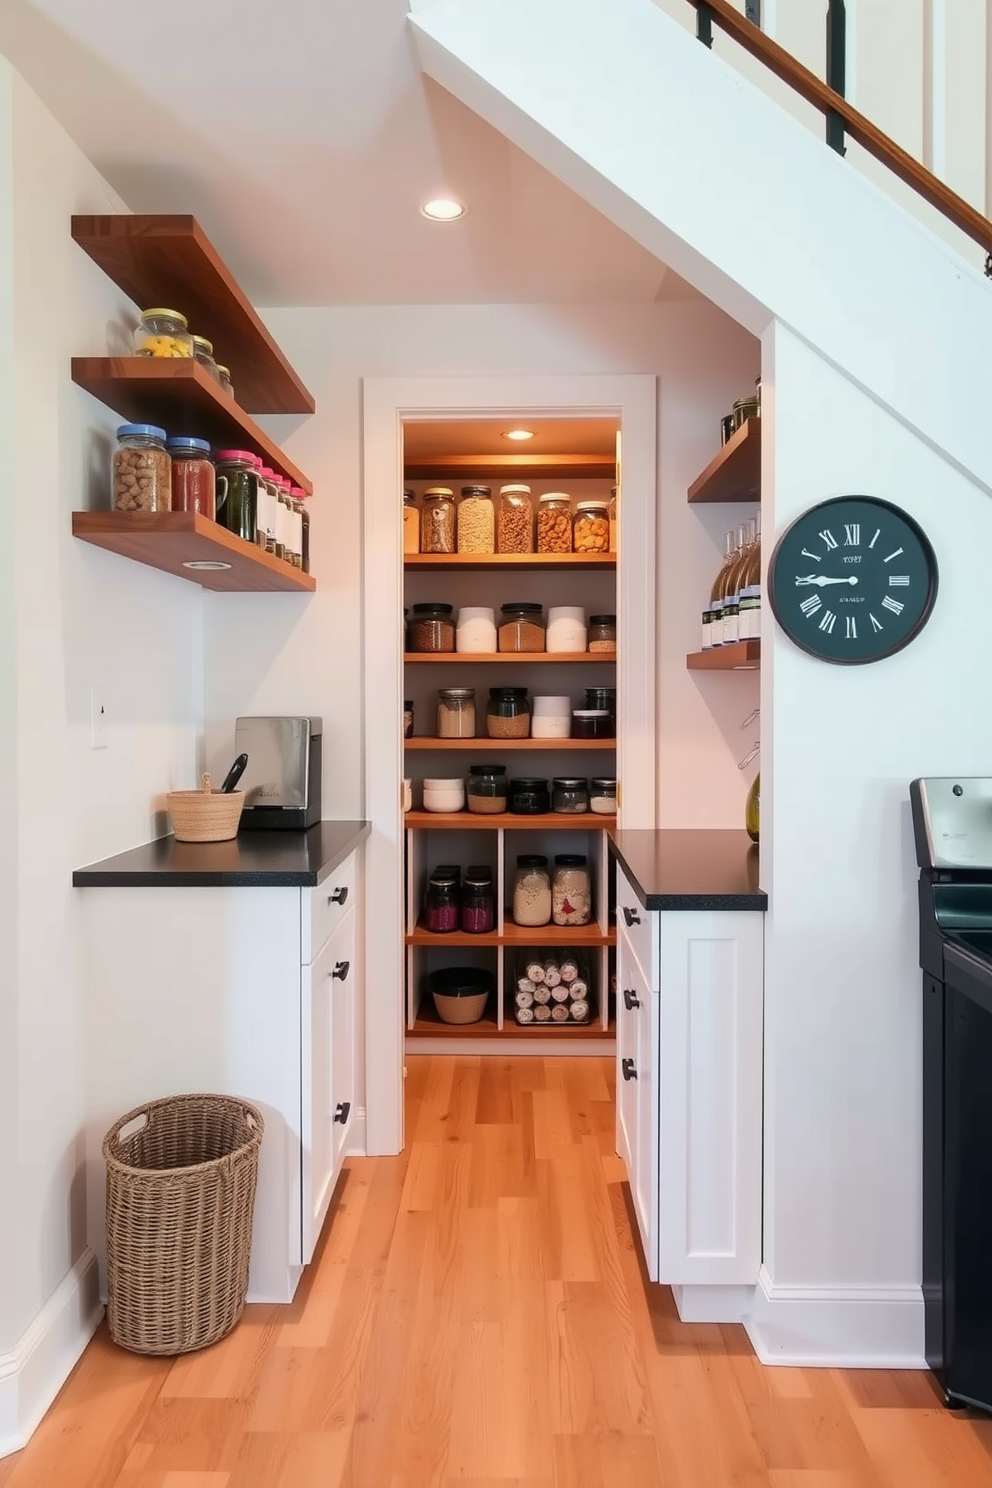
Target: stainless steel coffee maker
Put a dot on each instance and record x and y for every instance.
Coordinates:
(282, 779)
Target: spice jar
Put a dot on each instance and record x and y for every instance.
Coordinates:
(591, 528)
(224, 376)
(194, 480)
(432, 628)
(287, 519)
(142, 469)
(163, 333)
(476, 631)
(508, 713)
(554, 523)
(566, 628)
(603, 796)
(408, 719)
(203, 352)
(267, 521)
(476, 520)
(478, 901)
(441, 902)
(437, 520)
(602, 697)
(239, 468)
(488, 789)
(744, 409)
(551, 718)
(603, 633)
(614, 491)
(569, 796)
(532, 891)
(529, 797)
(300, 498)
(411, 523)
(516, 520)
(521, 627)
(444, 795)
(456, 713)
(571, 890)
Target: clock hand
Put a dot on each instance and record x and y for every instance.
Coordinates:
(820, 581)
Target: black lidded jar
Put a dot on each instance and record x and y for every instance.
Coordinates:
(569, 795)
(508, 713)
(488, 789)
(432, 627)
(602, 697)
(441, 903)
(478, 900)
(529, 797)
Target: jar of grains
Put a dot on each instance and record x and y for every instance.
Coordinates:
(478, 900)
(571, 890)
(521, 627)
(591, 528)
(476, 632)
(411, 523)
(569, 795)
(516, 520)
(603, 796)
(476, 520)
(441, 902)
(603, 633)
(554, 523)
(437, 520)
(508, 713)
(566, 628)
(456, 713)
(432, 627)
(488, 789)
(142, 469)
(194, 480)
(529, 796)
(532, 891)
(614, 492)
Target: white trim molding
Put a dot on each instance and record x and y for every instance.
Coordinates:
(34, 1371)
(837, 1327)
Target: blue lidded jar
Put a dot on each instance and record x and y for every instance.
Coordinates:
(142, 474)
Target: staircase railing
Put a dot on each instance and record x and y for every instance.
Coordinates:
(842, 117)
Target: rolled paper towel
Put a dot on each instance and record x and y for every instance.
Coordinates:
(535, 971)
(542, 1013)
(551, 974)
(559, 1013)
(525, 1015)
(560, 993)
(578, 990)
(579, 1011)
(525, 999)
(542, 994)
(524, 984)
(569, 969)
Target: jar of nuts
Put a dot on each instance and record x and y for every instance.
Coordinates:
(516, 520)
(591, 529)
(554, 523)
(437, 520)
(142, 469)
(476, 520)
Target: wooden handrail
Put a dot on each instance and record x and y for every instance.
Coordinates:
(822, 97)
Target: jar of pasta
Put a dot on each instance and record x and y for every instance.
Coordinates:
(554, 523)
(516, 520)
(437, 520)
(591, 528)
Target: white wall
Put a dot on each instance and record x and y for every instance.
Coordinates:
(305, 656)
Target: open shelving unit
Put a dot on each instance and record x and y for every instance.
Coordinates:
(733, 475)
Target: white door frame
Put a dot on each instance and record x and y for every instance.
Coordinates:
(389, 403)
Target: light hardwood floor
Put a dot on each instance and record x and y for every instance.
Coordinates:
(477, 1318)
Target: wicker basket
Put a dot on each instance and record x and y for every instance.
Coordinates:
(205, 815)
(180, 1202)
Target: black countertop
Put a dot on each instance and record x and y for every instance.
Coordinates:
(260, 860)
(691, 870)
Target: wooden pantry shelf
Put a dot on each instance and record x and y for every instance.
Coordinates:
(519, 561)
(735, 473)
(169, 260)
(514, 467)
(429, 1025)
(592, 1029)
(741, 656)
(549, 821)
(498, 746)
(567, 936)
(489, 658)
(179, 395)
(169, 540)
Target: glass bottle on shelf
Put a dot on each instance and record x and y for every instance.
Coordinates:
(752, 806)
(749, 616)
(735, 583)
(713, 613)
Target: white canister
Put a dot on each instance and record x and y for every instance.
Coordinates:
(551, 717)
(476, 630)
(444, 795)
(566, 628)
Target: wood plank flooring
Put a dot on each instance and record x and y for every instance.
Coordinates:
(477, 1317)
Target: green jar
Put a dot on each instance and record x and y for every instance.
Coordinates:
(240, 511)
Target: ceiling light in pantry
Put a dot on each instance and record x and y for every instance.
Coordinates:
(518, 434)
(443, 209)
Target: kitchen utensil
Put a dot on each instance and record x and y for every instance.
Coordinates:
(234, 774)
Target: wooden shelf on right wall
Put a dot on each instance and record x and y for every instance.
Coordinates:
(741, 656)
(735, 473)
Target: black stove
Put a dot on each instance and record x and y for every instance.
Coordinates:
(952, 823)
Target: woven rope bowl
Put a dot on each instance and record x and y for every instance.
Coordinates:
(205, 815)
(180, 1205)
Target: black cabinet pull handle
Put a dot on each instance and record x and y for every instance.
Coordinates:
(341, 970)
(339, 896)
(341, 1112)
(631, 916)
(627, 1069)
(630, 1000)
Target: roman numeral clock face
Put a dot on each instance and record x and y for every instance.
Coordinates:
(853, 580)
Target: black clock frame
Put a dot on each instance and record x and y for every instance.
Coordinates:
(932, 575)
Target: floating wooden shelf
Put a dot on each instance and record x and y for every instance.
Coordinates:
(551, 821)
(489, 658)
(429, 1025)
(742, 656)
(510, 561)
(184, 399)
(514, 467)
(735, 473)
(169, 260)
(498, 746)
(169, 540)
(517, 935)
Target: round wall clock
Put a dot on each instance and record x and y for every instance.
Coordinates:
(852, 580)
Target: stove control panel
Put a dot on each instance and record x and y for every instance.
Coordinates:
(952, 821)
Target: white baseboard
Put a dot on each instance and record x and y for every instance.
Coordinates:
(357, 1139)
(837, 1328)
(713, 1304)
(32, 1374)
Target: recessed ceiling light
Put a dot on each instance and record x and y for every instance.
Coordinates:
(206, 565)
(519, 434)
(443, 209)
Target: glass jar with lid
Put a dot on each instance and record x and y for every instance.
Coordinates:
(602, 698)
(142, 469)
(529, 796)
(516, 519)
(437, 521)
(478, 900)
(603, 634)
(521, 627)
(569, 795)
(194, 479)
(432, 627)
(591, 528)
(571, 890)
(476, 520)
(508, 713)
(203, 352)
(411, 522)
(441, 902)
(300, 496)
(488, 789)
(603, 795)
(268, 508)
(554, 523)
(456, 713)
(296, 502)
(240, 511)
(163, 333)
(532, 891)
(284, 521)
(224, 377)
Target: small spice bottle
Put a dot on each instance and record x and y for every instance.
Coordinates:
(300, 496)
(203, 352)
(411, 523)
(437, 520)
(456, 713)
(224, 373)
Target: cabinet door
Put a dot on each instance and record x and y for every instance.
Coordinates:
(637, 1095)
(319, 1154)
